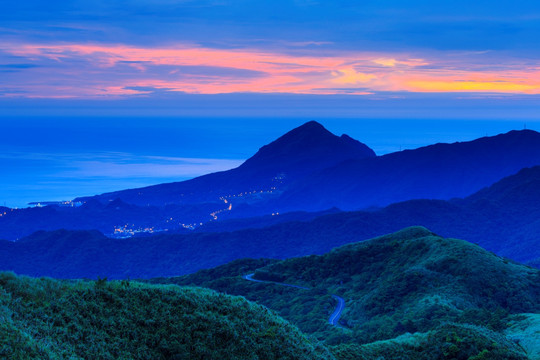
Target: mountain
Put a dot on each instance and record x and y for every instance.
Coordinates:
(310, 169)
(441, 171)
(304, 150)
(51, 319)
(242, 192)
(408, 295)
(300, 152)
(306, 170)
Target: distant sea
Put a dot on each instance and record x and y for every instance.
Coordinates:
(59, 158)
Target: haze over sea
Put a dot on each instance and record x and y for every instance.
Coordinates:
(59, 158)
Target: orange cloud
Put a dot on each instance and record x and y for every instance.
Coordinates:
(59, 73)
(473, 86)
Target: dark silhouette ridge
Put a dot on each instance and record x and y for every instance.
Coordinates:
(440, 171)
(307, 170)
(302, 151)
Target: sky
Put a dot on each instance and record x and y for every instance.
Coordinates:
(368, 50)
(112, 94)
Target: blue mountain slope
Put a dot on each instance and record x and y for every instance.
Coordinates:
(441, 171)
(300, 152)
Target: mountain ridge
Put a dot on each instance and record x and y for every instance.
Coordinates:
(303, 150)
(441, 171)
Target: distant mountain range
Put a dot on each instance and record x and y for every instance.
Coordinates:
(311, 169)
(441, 171)
(502, 218)
(307, 169)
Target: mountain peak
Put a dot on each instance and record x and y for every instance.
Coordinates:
(311, 131)
(305, 146)
(312, 125)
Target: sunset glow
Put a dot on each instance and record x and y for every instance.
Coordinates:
(93, 70)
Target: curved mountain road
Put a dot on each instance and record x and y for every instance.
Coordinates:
(334, 318)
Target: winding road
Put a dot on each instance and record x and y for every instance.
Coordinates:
(334, 318)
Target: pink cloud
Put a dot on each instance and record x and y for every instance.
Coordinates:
(359, 73)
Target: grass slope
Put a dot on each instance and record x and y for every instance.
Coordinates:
(51, 319)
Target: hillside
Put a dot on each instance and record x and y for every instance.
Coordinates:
(411, 295)
(51, 319)
(440, 171)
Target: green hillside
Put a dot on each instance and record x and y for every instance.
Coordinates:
(411, 294)
(51, 319)
(308, 309)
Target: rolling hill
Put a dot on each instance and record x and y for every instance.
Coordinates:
(408, 295)
(52, 319)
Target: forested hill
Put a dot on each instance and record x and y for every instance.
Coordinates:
(50, 319)
(408, 295)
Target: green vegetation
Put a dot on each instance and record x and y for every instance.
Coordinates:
(51, 319)
(308, 309)
(450, 341)
(409, 295)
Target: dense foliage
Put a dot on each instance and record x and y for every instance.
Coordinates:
(50, 319)
(450, 341)
(308, 309)
(454, 297)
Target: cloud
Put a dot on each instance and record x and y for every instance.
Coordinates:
(108, 49)
(147, 168)
(95, 70)
(117, 165)
(281, 25)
